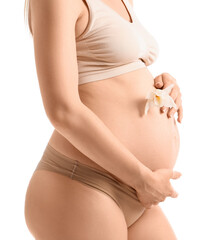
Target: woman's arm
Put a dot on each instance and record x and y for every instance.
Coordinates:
(53, 25)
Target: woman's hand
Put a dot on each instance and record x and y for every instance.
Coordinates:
(164, 80)
(155, 186)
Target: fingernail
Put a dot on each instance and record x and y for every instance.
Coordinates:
(164, 109)
(170, 115)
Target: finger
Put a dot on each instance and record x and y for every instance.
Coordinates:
(175, 175)
(167, 80)
(162, 198)
(173, 110)
(167, 83)
(158, 82)
(176, 96)
(173, 194)
(175, 92)
(163, 109)
(180, 114)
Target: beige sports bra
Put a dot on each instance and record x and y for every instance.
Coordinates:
(111, 45)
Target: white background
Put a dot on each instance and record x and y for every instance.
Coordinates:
(182, 31)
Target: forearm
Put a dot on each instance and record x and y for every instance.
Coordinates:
(83, 129)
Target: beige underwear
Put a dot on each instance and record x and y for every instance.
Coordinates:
(124, 195)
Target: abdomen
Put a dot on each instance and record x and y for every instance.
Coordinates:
(119, 102)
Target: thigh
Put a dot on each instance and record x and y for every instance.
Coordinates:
(152, 225)
(57, 207)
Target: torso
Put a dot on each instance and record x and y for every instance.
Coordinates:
(119, 102)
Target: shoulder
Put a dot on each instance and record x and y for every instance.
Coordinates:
(55, 11)
(74, 7)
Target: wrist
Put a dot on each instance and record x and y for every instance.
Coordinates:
(143, 174)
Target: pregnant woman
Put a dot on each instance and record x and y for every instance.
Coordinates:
(107, 164)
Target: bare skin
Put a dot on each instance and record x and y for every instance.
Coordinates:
(57, 207)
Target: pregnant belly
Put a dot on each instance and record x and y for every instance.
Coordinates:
(153, 139)
(120, 102)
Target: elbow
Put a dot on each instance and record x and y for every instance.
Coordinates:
(64, 115)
